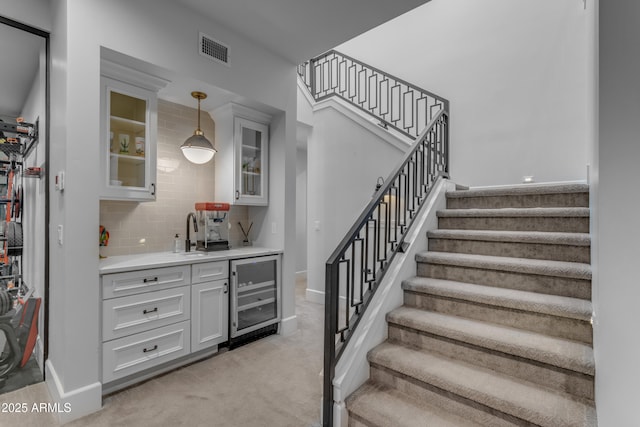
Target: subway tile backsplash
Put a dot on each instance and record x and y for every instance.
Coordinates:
(151, 226)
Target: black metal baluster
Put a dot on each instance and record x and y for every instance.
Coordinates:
(352, 269)
(379, 233)
(362, 272)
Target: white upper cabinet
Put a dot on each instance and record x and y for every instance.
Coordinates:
(129, 127)
(242, 161)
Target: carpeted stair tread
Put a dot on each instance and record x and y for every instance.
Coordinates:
(520, 190)
(552, 351)
(573, 270)
(498, 391)
(554, 305)
(515, 213)
(381, 405)
(542, 237)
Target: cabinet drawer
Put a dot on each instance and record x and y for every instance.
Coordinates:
(128, 355)
(138, 313)
(208, 271)
(137, 282)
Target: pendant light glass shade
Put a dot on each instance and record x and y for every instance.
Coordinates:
(197, 149)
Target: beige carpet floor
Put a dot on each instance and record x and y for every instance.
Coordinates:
(273, 382)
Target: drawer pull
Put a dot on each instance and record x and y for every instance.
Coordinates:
(155, 279)
(147, 350)
(145, 311)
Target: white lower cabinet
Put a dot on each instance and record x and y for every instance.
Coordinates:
(139, 281)
(132, 354)
(154, 316)
(210, 314)
(138, 313)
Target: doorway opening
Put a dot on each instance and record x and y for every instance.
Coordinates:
(24, 204)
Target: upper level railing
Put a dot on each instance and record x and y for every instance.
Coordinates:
(394, 102)
(357, 266)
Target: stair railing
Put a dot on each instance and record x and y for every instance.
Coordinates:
(392, 101)
(357, 266)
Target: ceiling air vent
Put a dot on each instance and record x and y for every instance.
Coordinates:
(213, 49)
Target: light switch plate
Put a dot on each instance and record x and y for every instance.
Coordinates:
(60, 181)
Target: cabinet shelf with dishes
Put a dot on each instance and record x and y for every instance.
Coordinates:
(134, 159)
(129, 128)
(250, 147)
(242, 175)
(133, 125)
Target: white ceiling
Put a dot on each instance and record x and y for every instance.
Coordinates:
(293, 29)
(300, 29)
(20, 53)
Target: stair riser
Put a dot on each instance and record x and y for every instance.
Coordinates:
(557, 224)
(554, 326)
(521, 201)
(513, 249)
(563, 380)
(568, 287)
(450, 402)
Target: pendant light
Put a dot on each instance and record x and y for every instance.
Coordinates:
(197, 149)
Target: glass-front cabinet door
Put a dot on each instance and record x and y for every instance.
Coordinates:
(251, 140)
(129, 133)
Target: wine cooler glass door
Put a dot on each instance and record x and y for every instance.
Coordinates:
(255, 301)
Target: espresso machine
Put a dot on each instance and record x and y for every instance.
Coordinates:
(213, 226)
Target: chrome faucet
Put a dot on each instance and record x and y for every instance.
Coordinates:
(187, 242)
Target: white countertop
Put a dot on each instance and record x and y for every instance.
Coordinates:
(120, 263)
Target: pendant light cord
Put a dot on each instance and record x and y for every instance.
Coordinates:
(199, 130)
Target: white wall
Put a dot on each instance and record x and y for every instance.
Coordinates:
(163, 34)
(273, 226)
(33, 205)
(516, 74)
(301, 210)
(36, 13)
(72, 369)
(616, 331)
(344, 162)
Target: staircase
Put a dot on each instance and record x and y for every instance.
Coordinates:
(495, 329)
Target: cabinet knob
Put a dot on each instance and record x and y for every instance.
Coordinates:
(145, 311)
(225, 288)
(155, 279)
(237, 194)
(153, 189)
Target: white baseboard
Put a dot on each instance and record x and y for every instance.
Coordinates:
(315, 296)
(76, 403)
(39, 350)
(288, 325)
(533, 184)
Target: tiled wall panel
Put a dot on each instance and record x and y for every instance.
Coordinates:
(151, 226)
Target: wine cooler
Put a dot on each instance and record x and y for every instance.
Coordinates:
(255, 298)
